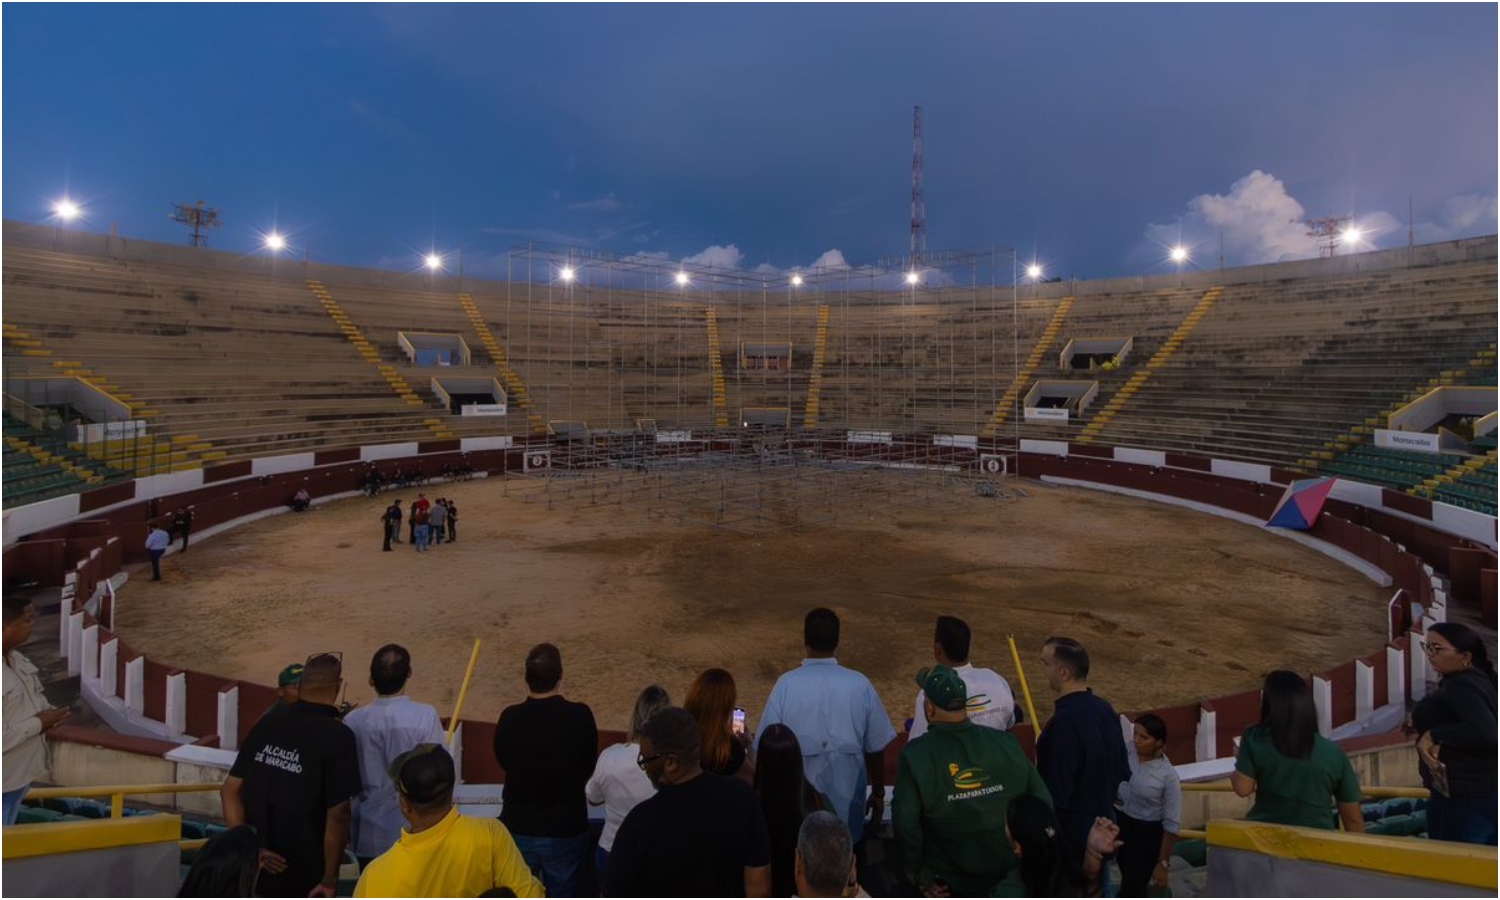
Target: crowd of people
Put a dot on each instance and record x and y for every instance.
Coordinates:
(695, 803)
(431, 523)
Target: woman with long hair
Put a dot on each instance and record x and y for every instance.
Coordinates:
(1456, 745)
(710, 700)
(227, 866)
(1152, 811)
(786, 798)
(1046, 865)
(618, 782)
(1296, 774)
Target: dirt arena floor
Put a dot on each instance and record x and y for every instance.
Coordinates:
(1173, 605)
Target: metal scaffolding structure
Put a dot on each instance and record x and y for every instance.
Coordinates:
(762, 399)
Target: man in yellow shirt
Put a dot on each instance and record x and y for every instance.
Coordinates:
(441, 853)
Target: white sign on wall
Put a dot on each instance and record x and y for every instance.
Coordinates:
(537, 460)
(992, 465)
(483, 409)
(869, 437)
(1406, 440)
(1042, 414)
(674, 437)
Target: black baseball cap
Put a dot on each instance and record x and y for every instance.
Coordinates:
(424, 773)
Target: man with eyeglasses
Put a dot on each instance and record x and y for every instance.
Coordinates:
(700, 835)
(293, 781)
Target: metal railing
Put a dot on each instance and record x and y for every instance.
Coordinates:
(118, 792)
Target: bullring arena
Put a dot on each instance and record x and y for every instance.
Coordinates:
(672, 465)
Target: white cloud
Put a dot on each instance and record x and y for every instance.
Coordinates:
(1259, 221)
(717, 257)
(832, 260)
(608, 203)
(766, 269)
(1468, 215)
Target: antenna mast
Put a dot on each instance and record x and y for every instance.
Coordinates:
(197, 216)
(1327, 231)
(918, 204)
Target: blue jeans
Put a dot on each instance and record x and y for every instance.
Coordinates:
(1469, 820)
(601, 859)
(13, 804)
(556, 860)
(423, 533)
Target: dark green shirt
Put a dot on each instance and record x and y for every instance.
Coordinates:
(953, 786)
(1296, 791)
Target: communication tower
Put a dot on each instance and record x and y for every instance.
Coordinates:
(918, 204)
(1329, 232)
(198, 216)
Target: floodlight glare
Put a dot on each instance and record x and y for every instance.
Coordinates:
(66, 210)
(275, 242)
(913, 278)
(1033, 271)
(1179, 254)
(796, 281)
(434, 262)
(1351, 235)
(566, 274)
(682, 278)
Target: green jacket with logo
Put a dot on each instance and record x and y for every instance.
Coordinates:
(953, 786)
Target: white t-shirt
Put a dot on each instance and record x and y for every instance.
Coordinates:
(619, 784)
(991, 703)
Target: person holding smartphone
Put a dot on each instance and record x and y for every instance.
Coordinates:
(726, 747)
(27, 718)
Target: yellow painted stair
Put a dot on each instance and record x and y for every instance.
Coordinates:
(369, 354)
(716, 367)
(1038, 353)
(815, 377)
(48, 458)
(515, 388)
(1429, 487)
(1483, 360)
(169, 461)
(1163, 354)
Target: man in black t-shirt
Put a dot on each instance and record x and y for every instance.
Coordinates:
(390, 520)
(547, 746)
(293, 780)
(701, 835)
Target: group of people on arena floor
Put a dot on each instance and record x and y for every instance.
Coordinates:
(696, 803)
(431, 522)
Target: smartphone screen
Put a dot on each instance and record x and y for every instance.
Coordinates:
(737, 720)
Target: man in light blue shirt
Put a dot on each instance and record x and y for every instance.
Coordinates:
(387, 728)
(157, 543)
(839, 721)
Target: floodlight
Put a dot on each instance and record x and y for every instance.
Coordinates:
(275, 242)
(796, 281)
(682, 278)
(567, 273)
(434, 261)
(66, 210)
(1351, 235)
(1033, 271)
(1179, 254)
(913, 278)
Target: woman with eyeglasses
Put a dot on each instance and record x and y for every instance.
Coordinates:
(1296, 774)
(1456, 744)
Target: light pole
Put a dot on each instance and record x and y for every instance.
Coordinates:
(434, 263)
(1179, 256)
(63, 212)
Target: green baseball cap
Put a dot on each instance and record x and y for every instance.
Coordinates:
(289, 676)
(944, 688)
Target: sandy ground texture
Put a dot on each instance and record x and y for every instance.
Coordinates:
(1173, 605)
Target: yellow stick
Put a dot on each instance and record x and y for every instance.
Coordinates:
(457, 707)
(1025, 688)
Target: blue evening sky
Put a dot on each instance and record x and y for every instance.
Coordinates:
(757, 134)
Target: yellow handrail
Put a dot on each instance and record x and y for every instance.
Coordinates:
(1373, 792)
(118, 792)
